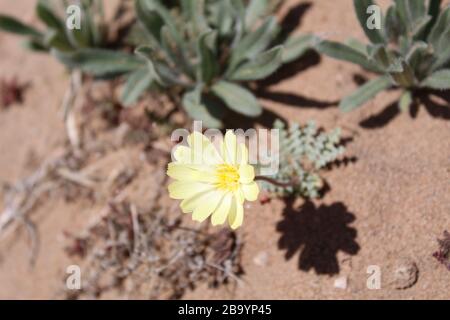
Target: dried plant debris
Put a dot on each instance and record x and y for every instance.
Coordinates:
(149, 252)
(55, 174)
(11, 92)
(101, 111)
(443, 254)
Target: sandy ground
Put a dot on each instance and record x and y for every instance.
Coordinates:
(388, 205)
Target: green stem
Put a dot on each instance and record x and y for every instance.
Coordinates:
(292, 183)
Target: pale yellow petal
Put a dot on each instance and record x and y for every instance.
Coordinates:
(211, 156)
(239, 194)
(196, 138)
(182, 154)
(220, 214)
(230, 147)
(198, 143)
(189, 204)
(243, 154)
(187, 189)
(207, 207)
(186, 172)
(251, 191)
(246, 173)
(236, 217)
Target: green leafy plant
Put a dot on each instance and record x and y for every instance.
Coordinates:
(303, 152)
(200, 52)
(82, 48)
(411, 51)
(57, 35)
(203, 50)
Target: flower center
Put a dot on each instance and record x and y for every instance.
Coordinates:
(227, 177)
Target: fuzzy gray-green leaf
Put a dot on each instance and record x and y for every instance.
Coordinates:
(262, 66)
(150, 19)
(225, 17)
(296, 46)
(365, 93)
(443, 58)
(343, 52)
(198, 16)
(200, 108)
(209, 66)
(159, 70)
(137, 83)
(361, 6)
(440, 27)
(438, 80)
(175, 53)
(380, 55)
(411, 13)
(35, 45)
(99, 62)
(405, 101)
(49, 17)
(393, 26)
(356, 45)
(255, 10)
(10, 24)
(57, 40)
(434, 8)
(402, 73)
(254, 42)
(237, 98)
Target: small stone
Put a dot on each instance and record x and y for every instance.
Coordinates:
(341, 283)
(406, 274)
(261, 259)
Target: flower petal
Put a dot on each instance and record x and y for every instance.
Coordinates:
(198, 143)
(239, 194)
(190, 204)
(236, 217)
(220, 215)
(230, 143)
(197, 138)
(187, 189)
(246, 173)
(243, 154)
(204, 209)
(189, 172)
(251, 191)
(211, 156)
(182, 154)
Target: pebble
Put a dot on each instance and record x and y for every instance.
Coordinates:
(341, 283)
(406, 274)
(261, 259)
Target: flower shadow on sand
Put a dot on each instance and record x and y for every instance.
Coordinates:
(318, 234)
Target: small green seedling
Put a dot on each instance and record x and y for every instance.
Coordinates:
(303, 152)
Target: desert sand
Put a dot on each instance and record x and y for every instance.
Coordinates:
(385, 207)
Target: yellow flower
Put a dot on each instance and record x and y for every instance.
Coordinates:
(213, 183)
